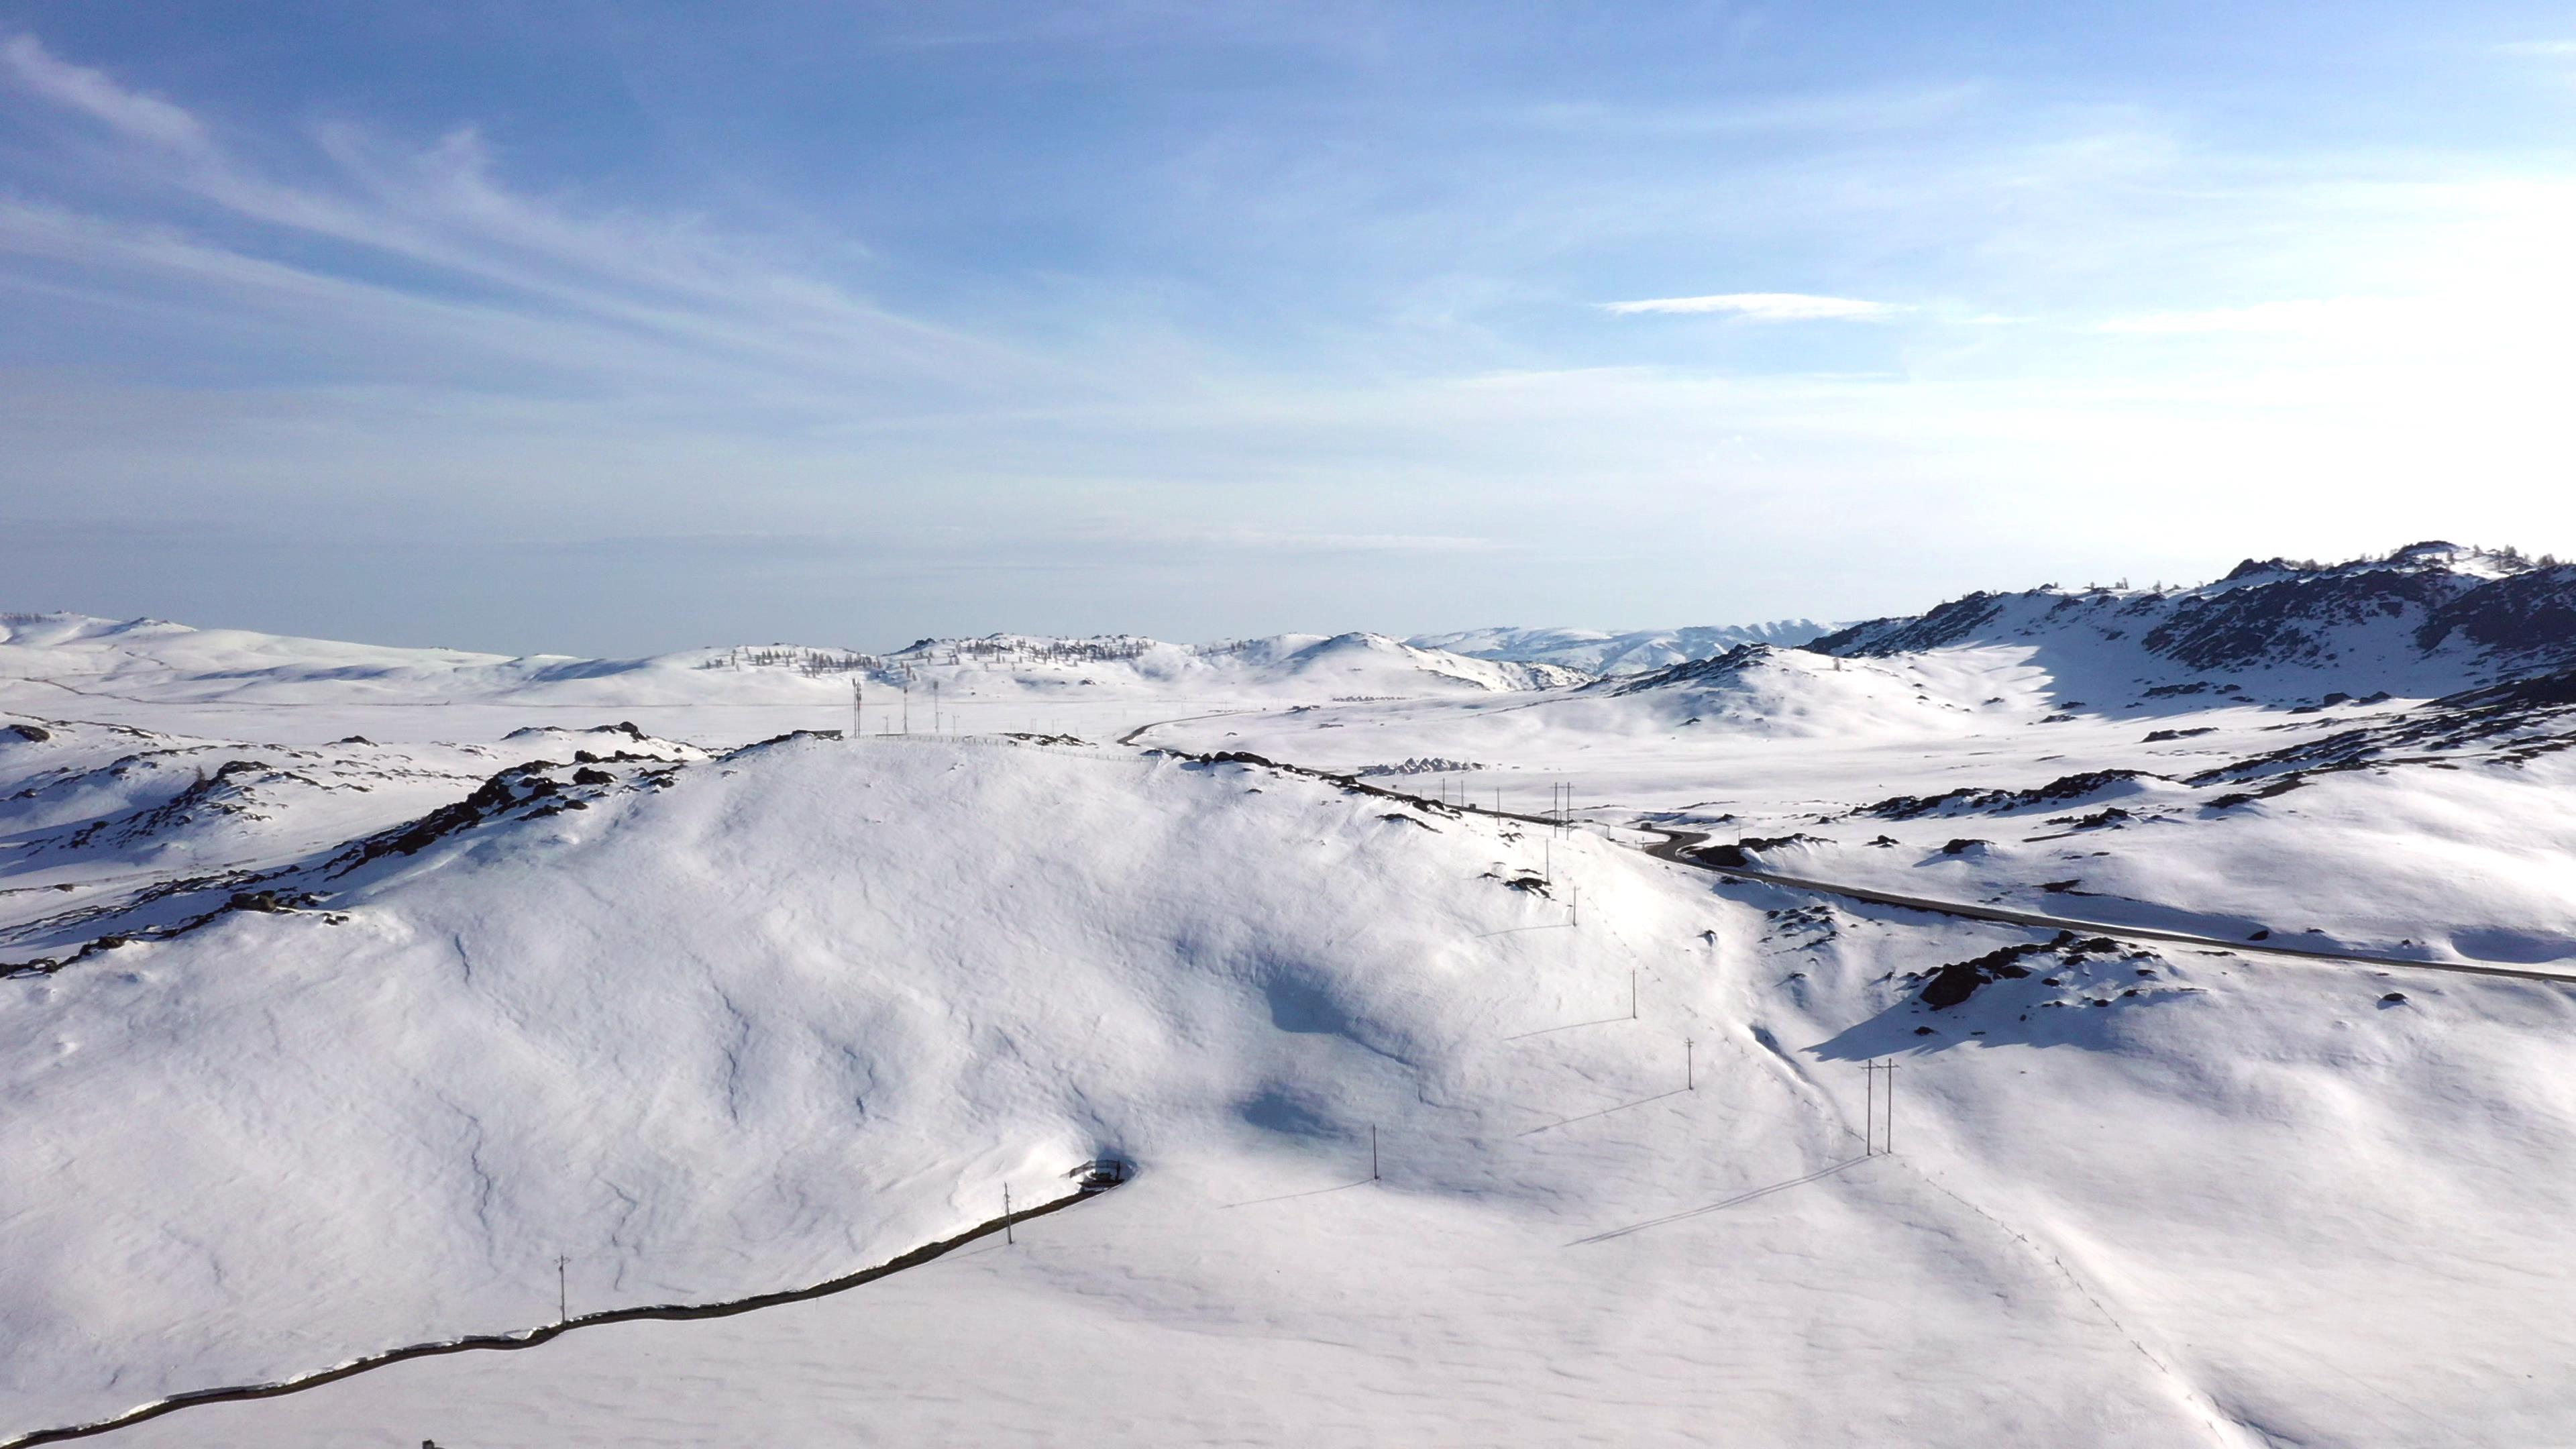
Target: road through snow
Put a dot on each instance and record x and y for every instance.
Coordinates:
(1677, 846)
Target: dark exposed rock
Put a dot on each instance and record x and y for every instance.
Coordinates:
(1986, 802)
(1713, 670)
(2107, 818)
(1959, 980)
(2524, 613)
(2282, 786)
(32, 734)
(1948, 624)
(1739, 854)
(270, 902)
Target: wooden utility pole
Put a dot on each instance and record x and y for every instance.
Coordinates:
(1007, 1239)
(1690, 1073)
(1372, 1152)
(563, 1292)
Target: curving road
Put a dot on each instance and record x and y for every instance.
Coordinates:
(1677, 845)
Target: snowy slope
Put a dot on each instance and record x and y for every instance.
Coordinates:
(1596, 652)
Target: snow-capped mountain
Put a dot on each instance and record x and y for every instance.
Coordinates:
(1636, 651)
(2428, 619)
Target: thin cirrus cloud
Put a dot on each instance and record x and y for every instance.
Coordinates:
(1761, 307)
(438, 249)
(146, 118)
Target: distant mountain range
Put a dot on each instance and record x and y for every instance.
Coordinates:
(1634, 652)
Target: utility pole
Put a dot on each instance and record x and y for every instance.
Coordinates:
(858, 699)
(1879, 1115)
(907, 701)
(1007, 1239)
(1632, 996)
(563, 1293)
(1690, 1073)
(934, 706)
(1372, 1152)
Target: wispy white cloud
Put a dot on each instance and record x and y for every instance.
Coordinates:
(431, 245)
(142, 117)
(1762, 307)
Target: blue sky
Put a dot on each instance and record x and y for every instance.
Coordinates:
(613, 328)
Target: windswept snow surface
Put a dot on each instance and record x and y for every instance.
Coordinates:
(319, 1048)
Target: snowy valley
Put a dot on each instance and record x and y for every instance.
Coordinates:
(1485, 1019)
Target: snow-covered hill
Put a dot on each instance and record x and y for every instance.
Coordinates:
(1596, 652)
(754, 1021)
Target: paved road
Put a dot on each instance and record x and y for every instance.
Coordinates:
(1677, 845)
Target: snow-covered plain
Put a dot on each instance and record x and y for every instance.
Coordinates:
(706, 1017)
